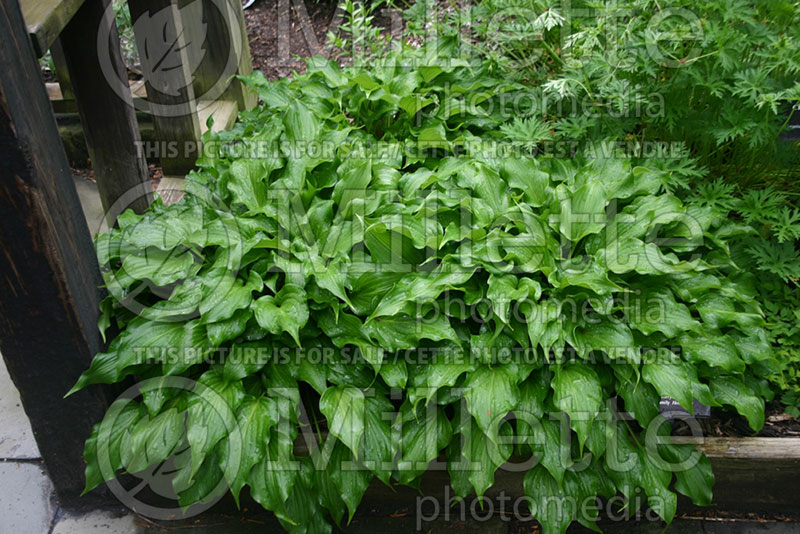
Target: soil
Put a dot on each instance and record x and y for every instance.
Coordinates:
(729, 424)
(263, 24)
(87, 173)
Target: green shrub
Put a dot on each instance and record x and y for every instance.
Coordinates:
(468, 296)
(719, 76)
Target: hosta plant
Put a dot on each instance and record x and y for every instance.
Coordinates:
(361, 281)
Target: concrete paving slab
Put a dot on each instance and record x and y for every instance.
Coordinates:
(16, 437)
(90, 202)
(97, 523)
(26, 505)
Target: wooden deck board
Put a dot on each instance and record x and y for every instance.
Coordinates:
(46, 19)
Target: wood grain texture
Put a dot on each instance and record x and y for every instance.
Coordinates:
(49, 279)
(744, 448)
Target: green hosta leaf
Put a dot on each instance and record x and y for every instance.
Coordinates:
(273, 479)
(248, 177)
(418, 288)
(719, 311)
(611, 337)
(734, 392)
(395, 373)
(508, 288)
(228, 329)
(287, 311)
(658, 311)
(633, 468)
(549, 442)
(255, 417)
(475, 457)
(753, 347)
(404, 332)
(491, 392)
(329, 495)
(102, 450)
(672, 377)
(544, 324)
(332, 276)
(578, 274)
(303, 510)
(177, 344)
(693, 475)
(445, 368)
(161, 266)
(212, 414)
(301, 125)
(583, 213)
(350, 477)
(716, 351)
(344, 407)
(355, 177)
(151, 440)
(378, 444)
(201, 486)
(243, 360)
(551, 504)
(578, 392)
(524, 174)
(641, 400)
(422, 434)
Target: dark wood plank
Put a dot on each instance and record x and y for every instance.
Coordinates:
(46, 19)
(170, 93)
(49, 280)
(104, 102)
(62, 71)
(757, 475)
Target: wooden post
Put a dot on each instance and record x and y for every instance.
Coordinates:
(62, 71)
(226, 50)
(106, 108)
(168, 81)
(49, 280)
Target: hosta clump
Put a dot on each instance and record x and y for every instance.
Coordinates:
(357, 288)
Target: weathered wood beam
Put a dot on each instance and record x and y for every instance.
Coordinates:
(46, 19)
(220, 26)
(49, 279)
(168, 81)
(103, 98)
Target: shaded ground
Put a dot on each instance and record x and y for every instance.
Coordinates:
(280, 31)
(727, 423)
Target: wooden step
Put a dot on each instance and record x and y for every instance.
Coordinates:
(170, 189)
(224, 111)
(67, 105)
(46, 19)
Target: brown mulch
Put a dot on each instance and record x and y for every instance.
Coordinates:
(725, 423)
(263, 25)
